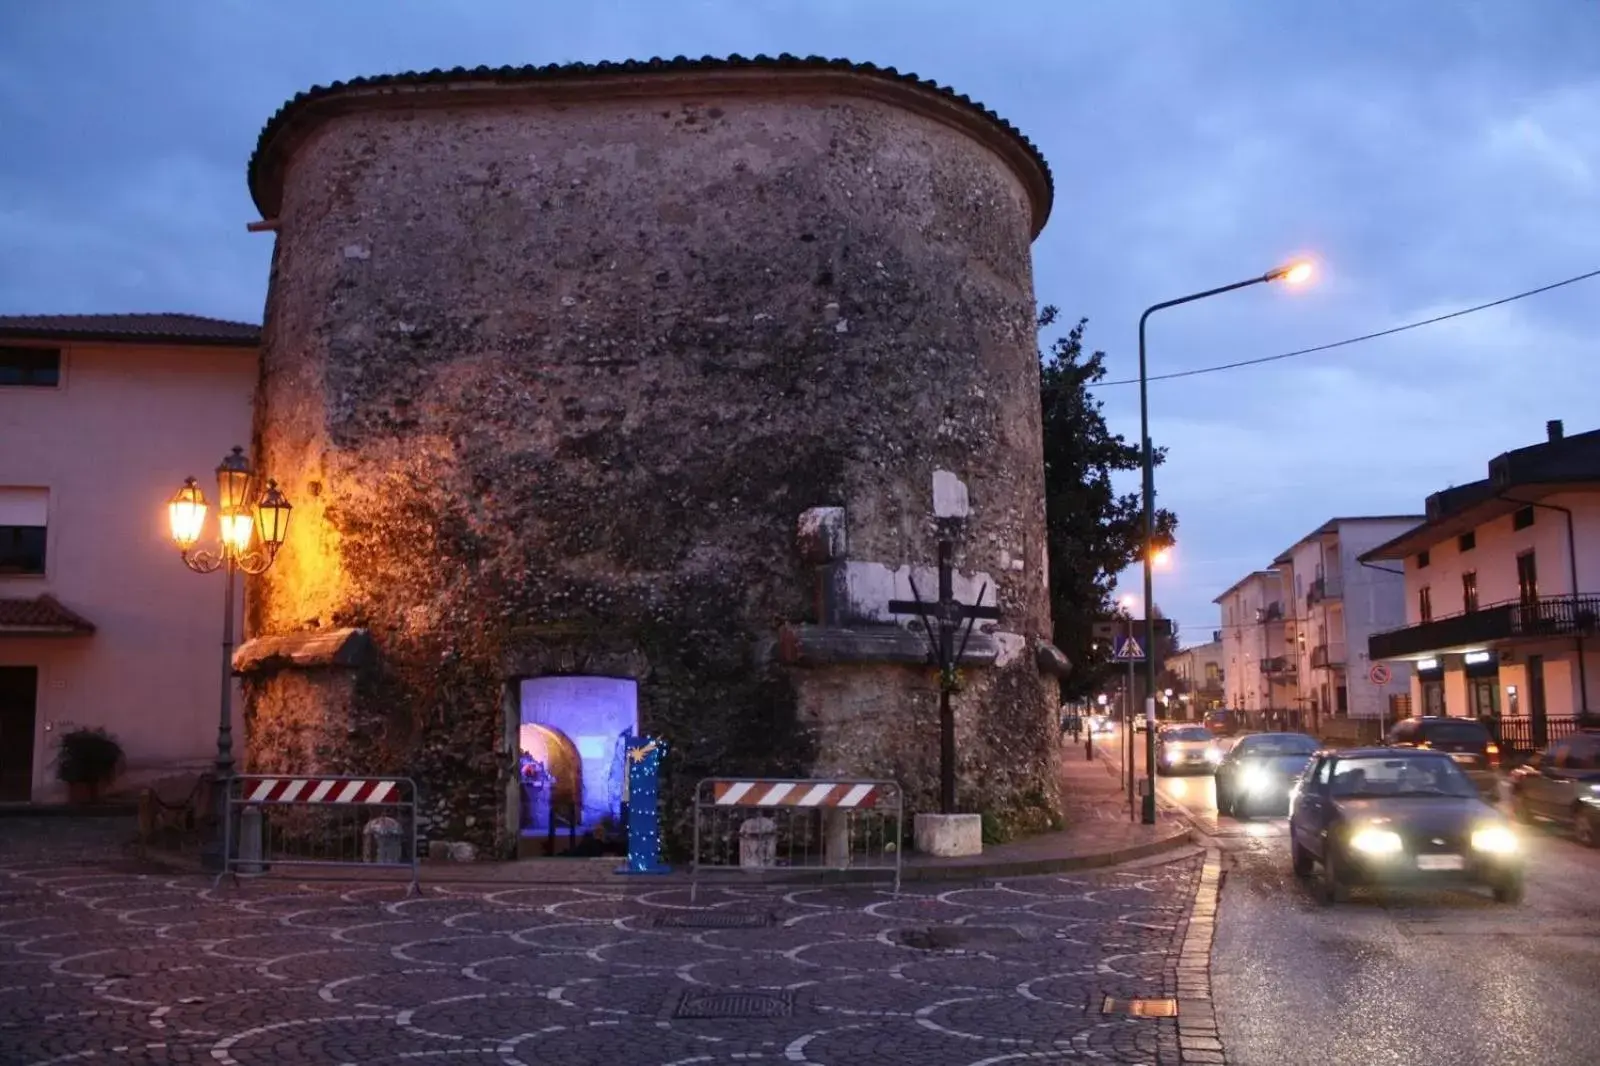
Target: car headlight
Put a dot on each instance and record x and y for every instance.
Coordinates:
(1495, 839)
(1213, 754)
(1170, 756)
(1372, 841)
(1254, 778)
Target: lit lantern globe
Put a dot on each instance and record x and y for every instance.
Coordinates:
(187, 514)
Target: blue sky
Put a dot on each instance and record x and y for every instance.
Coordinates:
(1430, 155)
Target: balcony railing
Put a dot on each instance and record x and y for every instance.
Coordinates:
(1327, 587)
(1549, 616)
(1278, 665)
(1326, 655)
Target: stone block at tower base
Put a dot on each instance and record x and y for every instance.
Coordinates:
(949, 836)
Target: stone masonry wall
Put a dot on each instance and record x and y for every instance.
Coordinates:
(554, 383)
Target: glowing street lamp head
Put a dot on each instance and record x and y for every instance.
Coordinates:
(1126, 603)
(1162, 558)
(1296, 273)
(187, 513)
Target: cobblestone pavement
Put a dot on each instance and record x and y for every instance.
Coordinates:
(106, 964)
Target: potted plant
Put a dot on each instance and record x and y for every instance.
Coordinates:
(87, 759)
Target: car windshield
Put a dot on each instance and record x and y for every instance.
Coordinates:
(1455, 733)
(1188, 732)
(1264, 747)
(1288, 765)
(1380, 775)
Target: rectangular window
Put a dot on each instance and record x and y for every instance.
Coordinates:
(22, 530)
(1467, 541)
(30, 367)
(1422, 560)
(1469, 591)
(1425, 604)
(1522, 519)
(1527, 578)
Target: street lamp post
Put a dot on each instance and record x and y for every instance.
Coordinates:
(1293, 274)
(240, 522)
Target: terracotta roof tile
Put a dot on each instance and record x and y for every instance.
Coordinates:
(163, 328)
(633, 67)
(41, 613)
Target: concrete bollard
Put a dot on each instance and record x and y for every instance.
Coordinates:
(250, 840)
(758, 843)
(380, 839)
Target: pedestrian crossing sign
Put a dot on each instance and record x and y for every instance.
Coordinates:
(1128, 649)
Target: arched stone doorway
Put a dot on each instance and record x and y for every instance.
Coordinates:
(550, 774)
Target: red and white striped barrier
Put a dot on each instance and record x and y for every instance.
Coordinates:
(795, 794)
(322, 790)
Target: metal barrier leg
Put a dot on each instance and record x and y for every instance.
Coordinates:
(227, 839)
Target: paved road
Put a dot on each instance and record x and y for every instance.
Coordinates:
(1411, 978)
(102, 962)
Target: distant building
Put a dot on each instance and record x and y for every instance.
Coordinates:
(101, 416)
(1503, 591)
(1254, 677)
(1335, 604)
(1200, 672)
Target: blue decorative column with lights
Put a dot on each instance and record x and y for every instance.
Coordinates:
(644, 814)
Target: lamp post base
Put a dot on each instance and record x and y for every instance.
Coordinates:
(215, 846)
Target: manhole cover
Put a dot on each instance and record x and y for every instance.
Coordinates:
(962, 937)
(734, 1005)
(713, 920)
(1141, 1008)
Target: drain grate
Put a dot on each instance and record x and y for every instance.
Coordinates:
(714, 920)
(1140, 1008)
(734, 1005)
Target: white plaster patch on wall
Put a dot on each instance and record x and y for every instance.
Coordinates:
(949, 496)
(868, 588)
(1010, 648)
(1044, 566)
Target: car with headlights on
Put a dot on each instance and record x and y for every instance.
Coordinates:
(1256, 774)
(1401, 817)
(1180, 748)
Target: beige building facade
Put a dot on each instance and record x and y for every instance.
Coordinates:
(101, 625)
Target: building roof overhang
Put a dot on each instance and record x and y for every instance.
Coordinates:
(41, 616)
(1486, 509)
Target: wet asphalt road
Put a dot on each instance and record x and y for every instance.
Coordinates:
(1403, 978)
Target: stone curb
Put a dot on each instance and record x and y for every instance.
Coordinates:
(1199, 1041)
(923, 873)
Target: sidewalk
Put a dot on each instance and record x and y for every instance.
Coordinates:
(1098, 832)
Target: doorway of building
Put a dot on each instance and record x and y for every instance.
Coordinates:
(573, 750)
(19, 689)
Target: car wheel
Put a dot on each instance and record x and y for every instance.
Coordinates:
(1586, 828)
(1510, 890)
(1333, 887)
(1224, 801)
(1302, 859)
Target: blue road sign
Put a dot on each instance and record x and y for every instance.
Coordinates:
(1128, 650)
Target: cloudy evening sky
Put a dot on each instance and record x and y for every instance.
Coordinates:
(1431, 155)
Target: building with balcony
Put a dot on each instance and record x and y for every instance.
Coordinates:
(101, 416)
(1199, 674)
(1337, 603)
(1256, 673)
(1503, 591)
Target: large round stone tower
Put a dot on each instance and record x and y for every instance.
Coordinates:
(634, 397)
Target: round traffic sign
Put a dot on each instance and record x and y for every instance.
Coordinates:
(1379, 674)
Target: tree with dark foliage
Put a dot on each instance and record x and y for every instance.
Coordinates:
(1094, 533)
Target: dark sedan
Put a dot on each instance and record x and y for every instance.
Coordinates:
(1256, 774)
(1382, 816)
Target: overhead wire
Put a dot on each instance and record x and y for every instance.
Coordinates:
(1352, 340)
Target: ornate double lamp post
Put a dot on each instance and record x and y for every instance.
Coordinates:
(252, 524)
